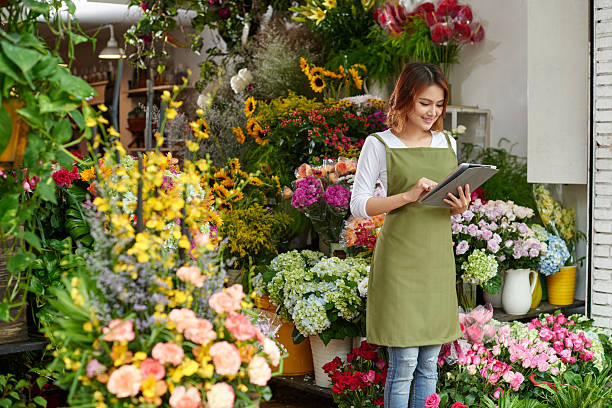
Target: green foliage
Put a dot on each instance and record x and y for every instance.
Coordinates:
(509, 400)
(576, 391)
(17, 392)
(510, 183)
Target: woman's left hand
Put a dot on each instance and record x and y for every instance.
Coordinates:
(460, 204)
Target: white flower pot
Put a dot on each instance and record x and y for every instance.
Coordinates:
(495, 300)
(322, 354)
(516, 295)
(357, 341)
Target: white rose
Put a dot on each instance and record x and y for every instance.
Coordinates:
(238, 84)
(203, 100)
(246, 76)
(363, 287)
(461, 129)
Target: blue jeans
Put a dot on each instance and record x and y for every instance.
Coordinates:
(406, 364)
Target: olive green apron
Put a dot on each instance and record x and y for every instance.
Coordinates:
(412, 300)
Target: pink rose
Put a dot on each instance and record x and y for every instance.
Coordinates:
(259, 371)
(226, 358)
(221, 395)
(481, 315)
(182, 398)
(200, 331)
(432, 401)
(223, 302)
(517, 381)
(471, 369)
(184, 318)
(191, 274)
(119, 330)
(125, 381)
(498, 393)
(168, 353)
(504, 330)
(152, 367)
(240, 326)
(543, 366)
(509, 376)
(555, 371)
(489, 331)
(474, 334)
(272, 351)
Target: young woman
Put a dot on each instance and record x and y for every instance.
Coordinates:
(412, 302)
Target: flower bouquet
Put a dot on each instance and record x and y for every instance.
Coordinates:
(491, 236)
(360, 381)
(323, 194)
(361, 233)
(319, 295)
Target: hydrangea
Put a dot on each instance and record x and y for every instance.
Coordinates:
(310, 317)
(479, 267)
(555, 257)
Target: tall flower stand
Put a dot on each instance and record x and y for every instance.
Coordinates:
(322, 354)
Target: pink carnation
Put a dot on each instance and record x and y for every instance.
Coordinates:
(236, 292)
(184, 318)
(191, 274)
(259, 371)
(272, 351)
(125, 381)
(168, 353)
(227, 301)
(119, 330)
(221, 395)
(200, 331)
(182, 398)
(152, 367)
(240, 326)
(226, 358)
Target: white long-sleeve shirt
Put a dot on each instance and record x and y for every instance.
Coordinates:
(372, 166)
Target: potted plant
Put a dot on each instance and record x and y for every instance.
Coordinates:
(137, 119)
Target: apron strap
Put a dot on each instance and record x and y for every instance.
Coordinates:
(450, 146)
(376, 135)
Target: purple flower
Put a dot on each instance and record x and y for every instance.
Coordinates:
(497, 238)
(468, 215)
(225, 13)
(486, 234)
(338, 197)
(523, 228)
(472, 230)
(462, 247)
(508, 243)
(493, 246)
(308, 192)
(456, 227)
(533, 253)
(94, 367)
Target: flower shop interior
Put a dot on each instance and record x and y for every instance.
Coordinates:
(175, 189)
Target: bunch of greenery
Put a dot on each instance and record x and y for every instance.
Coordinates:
(510, 183)
(18, 392)
(576, 391)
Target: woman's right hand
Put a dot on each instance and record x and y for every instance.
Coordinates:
(421, 188)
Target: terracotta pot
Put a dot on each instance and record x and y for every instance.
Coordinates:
(299, 361)
(12, 156)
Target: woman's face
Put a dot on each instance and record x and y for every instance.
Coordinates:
(427, 107)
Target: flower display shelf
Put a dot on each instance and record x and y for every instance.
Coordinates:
(32, 344)
(544, 307)
(304, 384)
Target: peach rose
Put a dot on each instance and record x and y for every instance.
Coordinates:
(259, 371)
(152, 367)
(341, 168)
(333, 177)
(240, 326)
(125, 381)
(119, 330)
(319, 171)
(184, 318)
(191, 274)
(226, 358)
(304, 170)
(182, 398)
(168, 353)
(221, 395)
(201, 332)
(287, 193)
(272, 351)
(223, 302)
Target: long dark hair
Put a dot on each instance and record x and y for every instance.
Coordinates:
(414, 78)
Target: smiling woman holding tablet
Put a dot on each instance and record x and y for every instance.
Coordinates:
(412, 302)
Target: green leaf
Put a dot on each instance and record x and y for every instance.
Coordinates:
(32, 115)
(64, 160)
(19, 262)
(71, 84)
(493, 285)
(77, 116)
(62, 131)
(6, 129)
(38, 6)
(40, 401)
(45, 67)
(46, 190)
(24, 58)
(4, 310)
(8, 68)
(32, 239)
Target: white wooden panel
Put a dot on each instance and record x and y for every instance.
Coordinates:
(557, 91)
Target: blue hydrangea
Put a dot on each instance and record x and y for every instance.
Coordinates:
(555, 257)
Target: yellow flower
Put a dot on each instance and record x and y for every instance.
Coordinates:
(102, 119)
(171, 113)
(240, 138)
(166, 96)
(329, 4)
(317, 83)
(113, 132)
(192, 146)
(253, 128)
(255, 181)
(102, 107)
(91, 122)
(249, 106)
(317, 71)
(356, 78)
(87, 326)
(176, 104)
(227, 182)
(234, 164)
(88, 174)
(200, 112)
(317, 15)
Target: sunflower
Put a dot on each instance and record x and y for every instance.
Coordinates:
(317, 83)
(239, 134)
(356, 78)
(220, 174)
(220, 191)
(238, 196)
(253, 128)
(234, 164)
(265, 168)
(255, 181)
(249, 106)
(227, 182)
(332, 74)
(317, 71)
(361, 67)
(225, 206)
(304, 66)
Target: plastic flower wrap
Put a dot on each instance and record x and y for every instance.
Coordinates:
(362, 232)
(479, 267)
(555, 256)
(321, 296)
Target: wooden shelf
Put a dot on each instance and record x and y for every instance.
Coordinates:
(304, 384)
(144, 90)
(32, 344)
(544, 307)
(142, 149)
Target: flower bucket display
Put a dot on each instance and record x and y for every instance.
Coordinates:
(11, 155)
(466, 295)
(299, 361)
(516, 297)
(322, 354)
(561, 286)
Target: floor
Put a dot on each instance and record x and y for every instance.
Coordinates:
(285, 397)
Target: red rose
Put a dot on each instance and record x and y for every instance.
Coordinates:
(380, 400)
(332, 365)
(477, 32)
(354, 381)
(441, 33)
(225, 13)
(462, 31)
(444, 7)
(459, 405)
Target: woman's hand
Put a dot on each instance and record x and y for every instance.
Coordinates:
(422, 187)
(460, 204)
